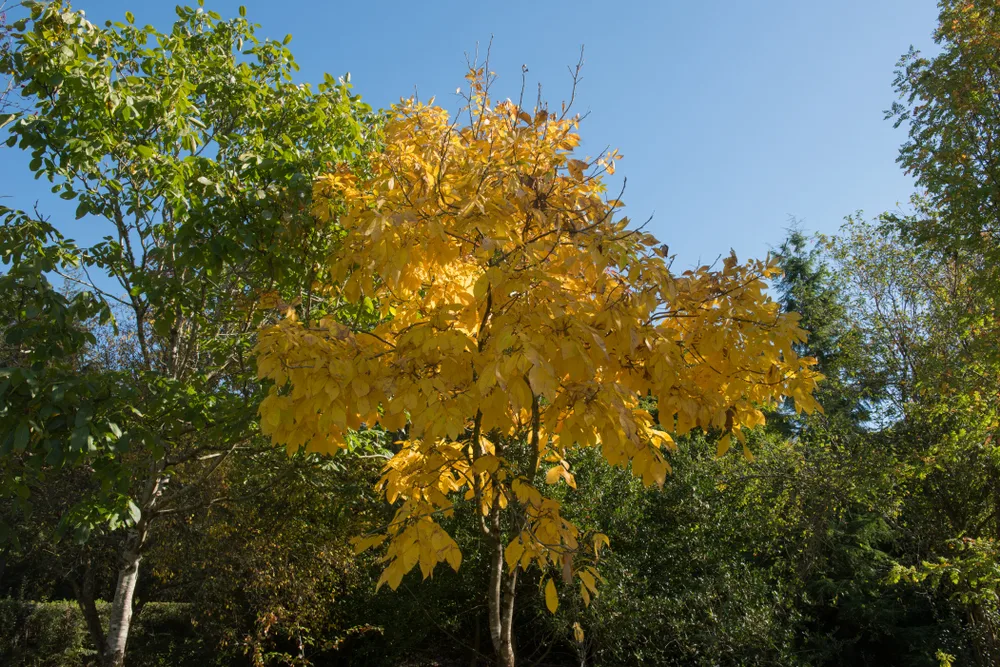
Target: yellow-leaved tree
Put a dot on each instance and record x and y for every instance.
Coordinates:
(520, 318)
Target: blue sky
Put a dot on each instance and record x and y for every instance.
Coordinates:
(732, 116)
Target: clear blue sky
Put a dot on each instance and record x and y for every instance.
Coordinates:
(732, 116)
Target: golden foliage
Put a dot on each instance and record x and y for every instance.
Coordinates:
(520, 319)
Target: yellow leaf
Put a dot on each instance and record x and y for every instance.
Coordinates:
(487, 464)
(393, 422)
(570, 479)
(723, 446)
(520, 393)
(554, 474)
(454, 557)
(364, 543)
(360, 387)
(576, 168)
(577, 633)
(600, 539)
(525, 493)
(513, 553)
(551, 597)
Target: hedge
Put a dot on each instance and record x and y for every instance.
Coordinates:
(53, 634)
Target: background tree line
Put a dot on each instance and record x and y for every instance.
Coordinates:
(133, 471)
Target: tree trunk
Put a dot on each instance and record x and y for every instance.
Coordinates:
(476, 643)
(501, 606)
(121, 610)
(120, 621)
(85, 600)
(987, 642)
(996, 501)
(507, 616)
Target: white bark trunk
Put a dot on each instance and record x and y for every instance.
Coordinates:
(501, 606)
(121, 611)
(120, 621)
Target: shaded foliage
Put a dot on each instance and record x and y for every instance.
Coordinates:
(866, 534)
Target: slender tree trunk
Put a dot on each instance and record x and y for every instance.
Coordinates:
(995, 470)
(507, 617)
(495, 599)
(120, 620)
(3, 561)
(476, 643)
(501, 606)
(987, 642)
(501, 595)
(85, 600)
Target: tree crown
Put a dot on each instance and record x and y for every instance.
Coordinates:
(515, 318)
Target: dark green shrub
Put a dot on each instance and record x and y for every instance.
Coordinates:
(44, 634)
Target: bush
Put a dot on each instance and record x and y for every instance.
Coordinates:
(44, 634)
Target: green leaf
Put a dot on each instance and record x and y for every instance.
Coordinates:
(83, 415)
(123, 443)
(81, 533)
(21, 436)
(134, 512)
(79, 440)
(55, 455)
(129, 17)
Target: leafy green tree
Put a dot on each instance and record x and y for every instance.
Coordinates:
(913, 305)
(194, 152)
(6, 83)
(950, 108)
(810, 286)
(695, 575)
(265, 557)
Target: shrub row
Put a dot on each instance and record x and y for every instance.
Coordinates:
(54, 634)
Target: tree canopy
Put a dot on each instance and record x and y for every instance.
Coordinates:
(514, 318)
